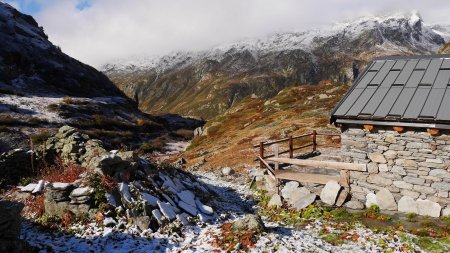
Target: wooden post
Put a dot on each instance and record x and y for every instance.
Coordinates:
(314, 140)
(291, 147)
(276, 150)
(261, 154)
(32, 156)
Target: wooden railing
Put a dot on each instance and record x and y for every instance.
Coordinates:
(311, 141)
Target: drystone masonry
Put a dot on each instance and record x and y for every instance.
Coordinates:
(412, 165)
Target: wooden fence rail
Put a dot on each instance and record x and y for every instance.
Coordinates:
(291, 147)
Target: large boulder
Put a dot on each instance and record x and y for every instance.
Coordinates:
(407, 205)
(330, 192)
(428, 207)
(386, 200)
(249, 222)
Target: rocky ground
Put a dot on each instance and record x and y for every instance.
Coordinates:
(121, 202)
(233, 203)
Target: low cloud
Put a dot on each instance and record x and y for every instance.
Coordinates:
(97, 31)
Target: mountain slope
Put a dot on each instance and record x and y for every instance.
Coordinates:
(207, 83)
(30, 64)
(42, 88)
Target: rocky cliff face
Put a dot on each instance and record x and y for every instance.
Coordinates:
(207, 83)
(30, 64)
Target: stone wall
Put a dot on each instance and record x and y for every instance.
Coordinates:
(411, 163)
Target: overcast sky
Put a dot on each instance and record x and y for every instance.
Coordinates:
(96, 31)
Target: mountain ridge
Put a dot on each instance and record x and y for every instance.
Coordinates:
(207, 83)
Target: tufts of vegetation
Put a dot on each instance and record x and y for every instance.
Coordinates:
(40, 137)
(153, 145)
(61, 172)
(101, 185)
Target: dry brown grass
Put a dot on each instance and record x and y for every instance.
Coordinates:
(232, 135)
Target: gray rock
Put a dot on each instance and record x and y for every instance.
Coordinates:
(249, 222)
(205, 218)
(109, 222)
(403, 185)
(187, 196)
(83, 191)
(227, 171)
(372, 168)
(275, 201)
(304, 201)
(407, 205)
(439, 173)
(398, 170)
(377, 157)
(158, 216)
(444, 186)
(427, 207)
(203, 208)
(379, 180)
(446, 211)
(150, 199)
(125, 192)
(414, 180)
(288, 189)
(330, 192)
(167, 210)
(386, 200)
(354, 204)
(28, 188)
(142, 222)
(183, 219)
(192, 210)
(371, 199)
(390, 154)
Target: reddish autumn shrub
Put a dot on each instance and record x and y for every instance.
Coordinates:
(61, 172)
(35, 204)
(108, 182)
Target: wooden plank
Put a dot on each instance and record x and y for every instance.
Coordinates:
(305, 177)
(321, 164)
(271, 171)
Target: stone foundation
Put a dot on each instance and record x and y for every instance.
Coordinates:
(412, 163)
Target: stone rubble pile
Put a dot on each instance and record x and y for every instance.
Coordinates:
(146, 195)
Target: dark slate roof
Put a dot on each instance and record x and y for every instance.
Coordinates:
(401, 89)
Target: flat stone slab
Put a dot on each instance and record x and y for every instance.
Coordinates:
(39, 187)
(150, 199)
(60, 186)
(125, 192)
(305, 201)
(83, 191)
(407, 205)
(27, 188)
(386, 200)
(428, 207)
(354, 204)
(204, 208)
(167, 210)
(192, 210)
(187, 196)
(158, 215)
(330, 192)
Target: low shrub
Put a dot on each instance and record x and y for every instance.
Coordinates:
(101, 185)
(61, 172)
(40, 137)
(185, 134)
(153, 145)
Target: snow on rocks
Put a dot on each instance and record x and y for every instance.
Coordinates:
(27, 188)
(192, 210)
(167, 210)
(204, 208)
(125, 192)
(150, 199)
(39, 186)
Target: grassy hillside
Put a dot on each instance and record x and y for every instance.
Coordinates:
(292, 111)
(445, 49)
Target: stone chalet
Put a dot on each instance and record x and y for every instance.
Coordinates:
(396, 118)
